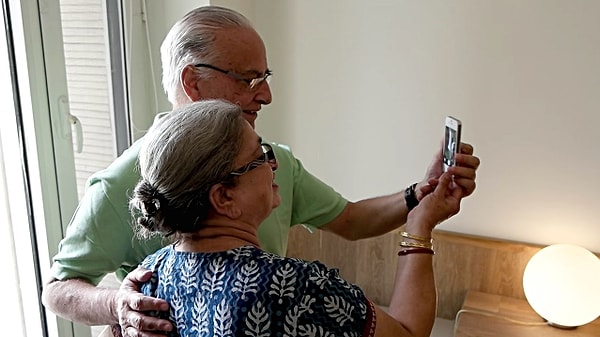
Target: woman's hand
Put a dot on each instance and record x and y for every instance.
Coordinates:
(435, 207)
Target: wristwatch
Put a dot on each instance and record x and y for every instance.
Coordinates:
(410, 197)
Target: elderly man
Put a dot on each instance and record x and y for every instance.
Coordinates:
(212, 52)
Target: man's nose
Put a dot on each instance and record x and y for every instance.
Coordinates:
(263, 93)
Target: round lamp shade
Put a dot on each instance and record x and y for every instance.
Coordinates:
(562, 284)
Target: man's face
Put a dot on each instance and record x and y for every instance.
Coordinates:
(243, 53)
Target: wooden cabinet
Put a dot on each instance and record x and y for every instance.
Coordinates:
(486, 315)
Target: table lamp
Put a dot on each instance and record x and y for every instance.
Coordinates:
(562, 284)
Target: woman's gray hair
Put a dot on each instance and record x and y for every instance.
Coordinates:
(181, 158)
(191, 41)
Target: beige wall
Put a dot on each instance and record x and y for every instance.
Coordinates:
(147, 22)
(361, 89)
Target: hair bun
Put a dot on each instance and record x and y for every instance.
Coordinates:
(150, 207)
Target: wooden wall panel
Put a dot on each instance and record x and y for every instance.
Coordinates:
(339, 253)
(303, 244)
(376, 267)
(462, 262)
(370, 263)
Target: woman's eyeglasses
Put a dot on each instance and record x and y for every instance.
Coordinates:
(268, 156)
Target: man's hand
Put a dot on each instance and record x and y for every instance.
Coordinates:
(132, 307)
(464, 172)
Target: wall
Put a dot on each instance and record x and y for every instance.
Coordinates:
(361, 89)
(147, 22)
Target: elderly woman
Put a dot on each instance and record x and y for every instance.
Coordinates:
(207, 184)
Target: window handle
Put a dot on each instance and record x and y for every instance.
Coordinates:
(74, 122)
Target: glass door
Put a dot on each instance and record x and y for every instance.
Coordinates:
(74, 121)
(92, 114)
(36, 209)
(15, 243)
(89, 107)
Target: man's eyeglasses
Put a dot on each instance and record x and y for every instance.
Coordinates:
(252, 83)
(268, 156)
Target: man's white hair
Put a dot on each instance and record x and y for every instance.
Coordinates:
(191, 41)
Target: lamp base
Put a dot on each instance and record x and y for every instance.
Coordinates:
(563, 327)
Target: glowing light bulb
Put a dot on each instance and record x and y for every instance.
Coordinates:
(562, 284)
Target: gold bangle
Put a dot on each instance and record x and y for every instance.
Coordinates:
(415, 237)
(416, 245)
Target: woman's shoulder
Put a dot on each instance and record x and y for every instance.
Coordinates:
(153, 260)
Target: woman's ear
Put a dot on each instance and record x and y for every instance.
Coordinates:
(189, 82)
(222, 199)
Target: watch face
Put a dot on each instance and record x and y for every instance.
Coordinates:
(410, 197)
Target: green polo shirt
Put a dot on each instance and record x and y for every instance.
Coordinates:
(100, 239)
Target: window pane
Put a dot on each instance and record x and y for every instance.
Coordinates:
(85, 38)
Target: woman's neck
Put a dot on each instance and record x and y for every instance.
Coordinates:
(216, 237)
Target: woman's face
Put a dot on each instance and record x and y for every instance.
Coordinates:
(256, 192)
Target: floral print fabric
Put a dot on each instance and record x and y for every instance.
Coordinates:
(249, 292)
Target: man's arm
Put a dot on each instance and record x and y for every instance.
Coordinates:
(377, 216)
(73, 299)
(369, 217)
(78, 300)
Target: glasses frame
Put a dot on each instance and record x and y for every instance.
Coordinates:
(252, 83)
(268, 156)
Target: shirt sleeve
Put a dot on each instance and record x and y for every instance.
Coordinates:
(93, 245)
(99, 239)
(314, 202)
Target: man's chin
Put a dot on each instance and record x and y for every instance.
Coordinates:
(276, 202)
(250, 117)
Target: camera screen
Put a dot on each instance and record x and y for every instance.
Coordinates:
(450, 145)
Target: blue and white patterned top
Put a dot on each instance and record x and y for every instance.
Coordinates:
(249, 292)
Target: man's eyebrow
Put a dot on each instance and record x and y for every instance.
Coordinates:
(253, 72)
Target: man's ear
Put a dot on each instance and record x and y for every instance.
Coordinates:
(223, 201)
(189, 82)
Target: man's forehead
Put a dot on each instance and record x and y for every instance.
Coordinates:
(242, 49)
